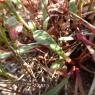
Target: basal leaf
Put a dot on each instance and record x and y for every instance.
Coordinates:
(21, 50)
(42, 37)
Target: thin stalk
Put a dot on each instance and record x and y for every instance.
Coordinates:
(22, 50)
(92, 88)
(12, 8)
(17, 55)
(85, 23)
(22, 62)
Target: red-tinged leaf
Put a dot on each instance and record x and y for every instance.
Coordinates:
(83, 38)
(14, 32)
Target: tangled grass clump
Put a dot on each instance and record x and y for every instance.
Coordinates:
(47, 47)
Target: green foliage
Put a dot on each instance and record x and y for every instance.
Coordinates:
(15, 13)
(22, 50)
(45, 23)
(44, 13)
(56, 90)
(4, 55)
(16, 1)
(42, 37)
(3, 35)
(1, 40)
(78, 13)
(72, 6)
(12, 21)
(43, 9)
(26, 48)
(45, 2)
(5, 74)
(57, 65)
(32, 25)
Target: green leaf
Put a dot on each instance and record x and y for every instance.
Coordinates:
(21, 50)
(45, 23)
(72, 6)
(6, 74)
(1, 39)
(11, 7)
(26, 48)
(56, 90)
(3, 35)
(32, 25)
(44, 12)
(44, 4)
(57, 65)
(16, 1)
(12, 21)
(42, 37)
(4, 55)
